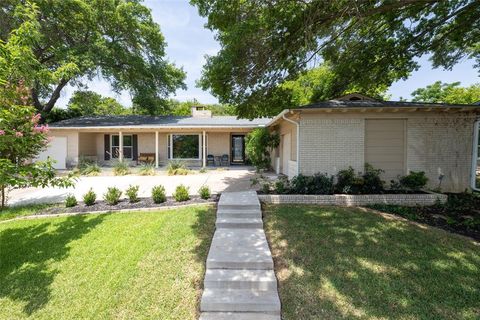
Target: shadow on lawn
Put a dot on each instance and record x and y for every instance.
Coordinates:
(203, 228)
(25, 254)
(343, 263)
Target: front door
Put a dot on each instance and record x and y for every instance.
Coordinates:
(238, 149)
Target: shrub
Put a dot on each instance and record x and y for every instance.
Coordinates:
(258, 145)
(372, 183)
(132, 193)
(158, 194)
(89, 197)
(204, 192)
(70, 201)
(203, 170)
(348, 182)
(266, 187)
(121, 168)
(147, 169)
(112, 196)
(319, 183)
(413, 181)
(177, 167)
(281, 186)
(91, 170)
(181, 193)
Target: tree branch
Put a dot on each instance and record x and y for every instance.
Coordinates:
(55, 95)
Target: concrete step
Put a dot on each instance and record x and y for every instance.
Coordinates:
(239, 249)
(238, 316)
(239, 213)
(240, 279)
(245, 200)
(239, 300)
(229, 222)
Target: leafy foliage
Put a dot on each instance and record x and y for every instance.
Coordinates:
(158, 194)
(368, 44)
(147, 169)
(204, 192)
(89, 198)
(112, 196)
(413, 181)
(439, 92)
(177, 168)
(78, 40)
(368, 182)
(70, 201)
(132, 193)
(181, 193)
(121, 168)
(317, 184)
(258, 145)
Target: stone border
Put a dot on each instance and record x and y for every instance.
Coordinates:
(353, 200)
(67, 214)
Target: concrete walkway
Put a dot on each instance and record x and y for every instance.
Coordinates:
(240, 283)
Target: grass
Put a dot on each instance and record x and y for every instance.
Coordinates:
(110, 266)
(26, 210)
(337, 263)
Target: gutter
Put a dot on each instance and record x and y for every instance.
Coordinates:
(475, 155)
(298, 137)
(157, 128)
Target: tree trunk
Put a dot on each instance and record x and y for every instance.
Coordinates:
(2, 187)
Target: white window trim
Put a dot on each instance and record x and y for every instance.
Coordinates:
(475, 155)
(170, 145)
(111, 145)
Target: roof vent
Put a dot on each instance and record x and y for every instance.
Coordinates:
(201, 112)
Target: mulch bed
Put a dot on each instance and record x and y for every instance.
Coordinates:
(124, 204)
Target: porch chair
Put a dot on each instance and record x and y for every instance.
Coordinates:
(210, 159)
(224, 161)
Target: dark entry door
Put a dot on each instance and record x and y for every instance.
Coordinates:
(238, 149)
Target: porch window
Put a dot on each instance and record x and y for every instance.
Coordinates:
(184, 146)
(127, 146)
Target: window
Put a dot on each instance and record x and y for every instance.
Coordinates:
(127, 146)
(184, 146)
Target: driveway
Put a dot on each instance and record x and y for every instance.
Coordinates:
(231, 179)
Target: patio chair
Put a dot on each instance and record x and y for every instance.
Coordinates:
(210, 159)
(224, 161)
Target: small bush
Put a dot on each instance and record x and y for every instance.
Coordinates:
(112, 196)
(175, 167)
(266, 187)
(132, 193)
(181, 193)
(204, 192)
(281, 186)
(372, 183)
(147, 169)
(70, 201)
(348, 182)
(91, 170)
(319, 183)
(121, 168)
(89, 198)
(203, 170)
(414, 181)
(158, 194)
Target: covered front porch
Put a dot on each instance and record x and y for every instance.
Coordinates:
(195, 147)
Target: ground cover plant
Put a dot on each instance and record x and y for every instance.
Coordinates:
(346, 263)
(108, 266)
(460, 214)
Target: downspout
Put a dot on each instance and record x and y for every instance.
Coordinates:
(298, 140)
(475, 155)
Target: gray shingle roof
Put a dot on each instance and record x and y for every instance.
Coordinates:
(157, 121)
(381, 104)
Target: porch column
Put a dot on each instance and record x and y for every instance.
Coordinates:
(120, 146)
(204, 150)
(156, 149)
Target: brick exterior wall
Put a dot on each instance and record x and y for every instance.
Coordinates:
(436, 142)
(356, 200)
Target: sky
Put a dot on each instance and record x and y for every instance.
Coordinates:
(188, 42)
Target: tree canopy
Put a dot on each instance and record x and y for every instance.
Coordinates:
(78, 40)
(183, 108)
(368, 44)
(439, 92)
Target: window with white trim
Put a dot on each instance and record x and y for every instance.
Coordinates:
(184, 146)
(127, 146)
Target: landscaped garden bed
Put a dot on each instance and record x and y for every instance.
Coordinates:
(337, 263)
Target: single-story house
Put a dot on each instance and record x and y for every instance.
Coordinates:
(398, 137)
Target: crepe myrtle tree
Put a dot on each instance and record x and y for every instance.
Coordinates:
(259, 145)
(21, 140)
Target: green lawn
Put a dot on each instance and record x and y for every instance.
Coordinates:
(18, 211)
(346, 263)
(110, 266)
